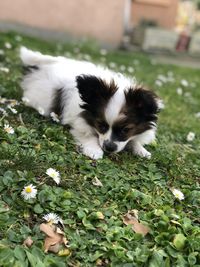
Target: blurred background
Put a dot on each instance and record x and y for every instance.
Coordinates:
(160, 25)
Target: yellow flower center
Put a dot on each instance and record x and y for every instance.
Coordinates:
(28, 190)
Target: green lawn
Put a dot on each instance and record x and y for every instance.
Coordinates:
(128, 182)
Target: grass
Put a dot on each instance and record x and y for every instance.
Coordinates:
(128, 182)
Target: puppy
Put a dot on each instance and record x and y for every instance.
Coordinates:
(105, 110)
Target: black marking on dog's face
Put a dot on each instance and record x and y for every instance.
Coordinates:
(139, 114)
(29, 69)
(95, 94)
(57, 103)
(142, 104)
(122, 130)
(101, 126)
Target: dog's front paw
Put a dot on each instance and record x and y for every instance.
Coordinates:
(142, 152)
(93, 153)
(145, 154)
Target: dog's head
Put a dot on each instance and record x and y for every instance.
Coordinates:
(116, 114)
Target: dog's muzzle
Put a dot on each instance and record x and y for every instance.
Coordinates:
(109, 146)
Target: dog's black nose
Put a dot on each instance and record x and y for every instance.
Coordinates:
(109, 146)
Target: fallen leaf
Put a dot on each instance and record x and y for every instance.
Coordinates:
(65, 241)
(175, 222)
(135, 213)
(129, 218)
(59, 231)
(96, 215)
(28, 242)
(64, 252)
(48, 229)
(54, 248)
(97, 182)
(54, 237)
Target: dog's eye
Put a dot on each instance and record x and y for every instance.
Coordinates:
(102, 127)
(124, 130)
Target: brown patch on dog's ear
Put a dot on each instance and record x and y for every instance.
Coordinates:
(141, 104)
(94, 91)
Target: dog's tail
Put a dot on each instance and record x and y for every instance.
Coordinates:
(33, 58)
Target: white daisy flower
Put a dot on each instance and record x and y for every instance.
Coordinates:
(177, 193)
(179, 91)
(18, 38)
(130, 69)
(8, 129)
(190, 136)
(54, 117)
(4, 69)
(8, 45)
(29, 192)
(41, 111)
(103, 52)
(3, 111)
(197, 115)
(184, 83)
(122, 68)
(52, 218)
(112, 65)
(55, 175)
(13, 110)
(162, 78)
(1, 52)
(158, 83)
(2, 100)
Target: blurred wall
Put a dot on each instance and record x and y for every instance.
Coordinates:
(103, 20)
(163, 12)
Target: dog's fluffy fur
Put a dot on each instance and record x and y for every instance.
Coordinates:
(105, 110)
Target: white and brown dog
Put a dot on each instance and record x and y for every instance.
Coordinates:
(105, 110)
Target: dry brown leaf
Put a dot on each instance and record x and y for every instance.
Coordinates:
(52, 243)
(54, 237)
(59, 231)
(136, 226)
(135, 213)
(65, 241)
(55, 248)
(48, 229)
(28, 242)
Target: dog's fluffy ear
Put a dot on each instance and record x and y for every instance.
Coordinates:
(142, 103)
(94, 91)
